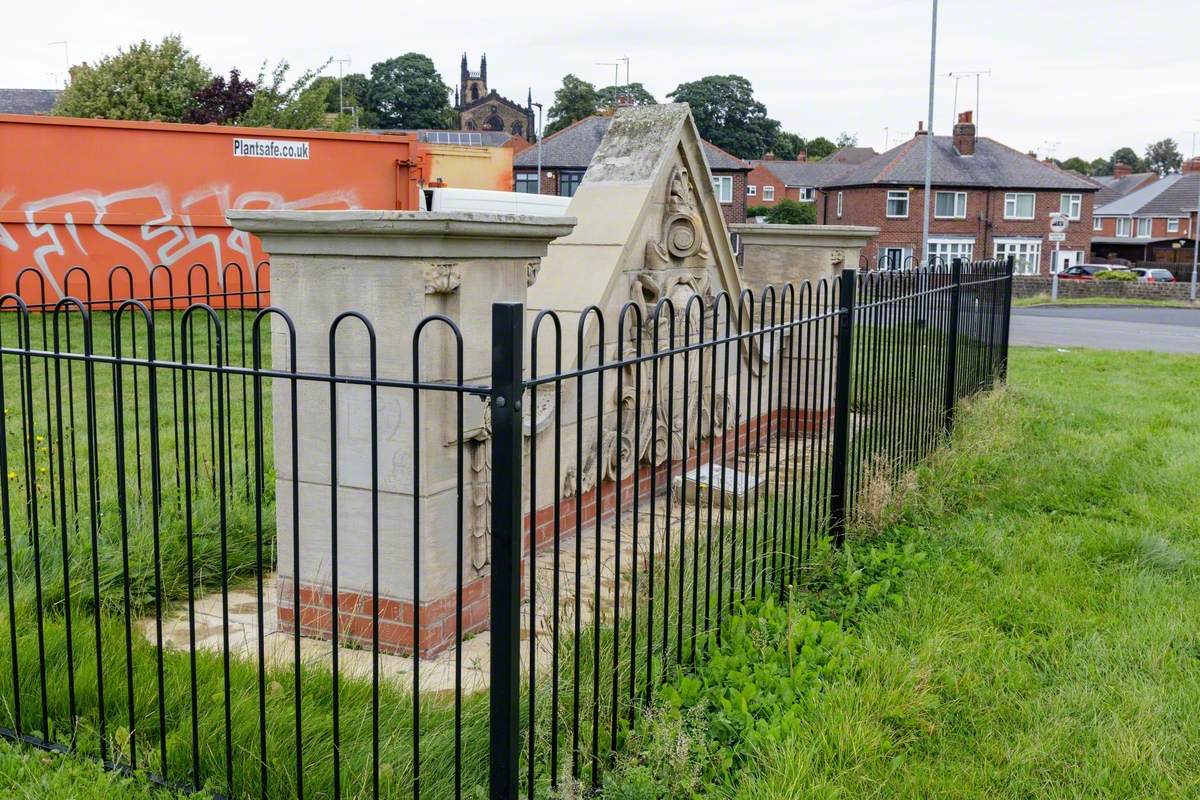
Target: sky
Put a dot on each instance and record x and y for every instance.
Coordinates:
(1071, 77)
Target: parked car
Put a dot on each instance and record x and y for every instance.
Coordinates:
(1083, 272)
(1153, 275)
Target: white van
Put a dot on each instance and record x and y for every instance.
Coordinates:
(494, 202)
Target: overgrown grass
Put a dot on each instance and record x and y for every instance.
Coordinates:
(1048, 645)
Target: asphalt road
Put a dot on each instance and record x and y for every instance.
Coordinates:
(1166, 330)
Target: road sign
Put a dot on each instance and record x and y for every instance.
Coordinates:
(1057, 237)
(1058, 224)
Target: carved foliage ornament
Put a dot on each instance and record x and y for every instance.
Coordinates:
(442, 278)
(681, 241)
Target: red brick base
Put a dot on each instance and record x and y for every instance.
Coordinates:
(437, 618)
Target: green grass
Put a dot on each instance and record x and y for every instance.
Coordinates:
(1044, 300)
(1049, 648)
(33, 775)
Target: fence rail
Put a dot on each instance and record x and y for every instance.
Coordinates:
(271, 560)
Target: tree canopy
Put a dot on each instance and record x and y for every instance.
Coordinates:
(407, 92)
(819, 148)
(278, 104)
(221, 101)
(727, 114)
(576, 99)
(1101, 166)
(787, 146)
(1164, 156)
(1077, 164)
(150, 82)
(786, 212)
(630, 93)
(1126, 155)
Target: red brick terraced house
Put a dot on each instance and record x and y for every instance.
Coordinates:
(772, 180)
(989, 201)
(567, 153)
(1155, 223)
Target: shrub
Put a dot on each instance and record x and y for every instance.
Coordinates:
(1116, 275)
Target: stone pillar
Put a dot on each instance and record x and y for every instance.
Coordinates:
(775, 255)
(395, 268)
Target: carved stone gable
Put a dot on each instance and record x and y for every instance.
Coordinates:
(681, 240)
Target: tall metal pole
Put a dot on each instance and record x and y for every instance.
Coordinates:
(539, 150)
(1196, 239)
(929, 137)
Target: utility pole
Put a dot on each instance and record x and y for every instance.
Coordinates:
(539, 150)
(929, 135)
(341, 62)
(616, 65)
(626, 60)
(66, 59)
(1195, 227)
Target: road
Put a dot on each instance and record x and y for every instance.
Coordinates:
(1163, 329)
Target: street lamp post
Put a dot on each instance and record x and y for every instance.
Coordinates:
(1196, 240)
(539, 149)
(929, 137)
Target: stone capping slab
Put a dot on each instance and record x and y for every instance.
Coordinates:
(404, 234)
(804, 235)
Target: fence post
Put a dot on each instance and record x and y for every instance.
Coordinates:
(1010, 263)
(951, 397)
(508, 328)
(841, 409)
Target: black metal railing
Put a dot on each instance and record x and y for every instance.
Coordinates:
(221, 565)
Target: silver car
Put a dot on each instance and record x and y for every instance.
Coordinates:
(1153, 275)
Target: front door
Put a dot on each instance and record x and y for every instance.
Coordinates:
(1065, 259)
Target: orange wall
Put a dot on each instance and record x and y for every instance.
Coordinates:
(98, 193)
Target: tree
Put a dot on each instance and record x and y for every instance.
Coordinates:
(145, 82)
(1101, 166)
(786, 212)
(407, 92)
(298, 106)
(1077, 164)
(576, 99)
(629, 94)
(1126, 155)
(819, 148)
(221, 101)
(1164, 156)
(727, 114)
(846, 140)
(787, 146)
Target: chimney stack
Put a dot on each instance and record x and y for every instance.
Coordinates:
(1122, 170)
(768, 156)
(1191, 165)
(964, 134)
(920, 128)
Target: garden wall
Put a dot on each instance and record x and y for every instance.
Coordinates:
(1034, 285)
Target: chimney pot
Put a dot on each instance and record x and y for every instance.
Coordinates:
(920, 128)
(964, 134)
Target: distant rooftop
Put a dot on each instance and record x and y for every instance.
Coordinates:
(1172, 196)
(28, 101)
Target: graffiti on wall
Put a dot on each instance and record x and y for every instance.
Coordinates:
(140, 227)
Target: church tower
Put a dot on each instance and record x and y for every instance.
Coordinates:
(472, 85)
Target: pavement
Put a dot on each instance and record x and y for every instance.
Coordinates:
(1156, 328)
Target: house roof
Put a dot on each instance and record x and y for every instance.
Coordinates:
(574, 146)
(850, 155)
(804, 173)
(1172, 196)
(1113, 187)
(494, 97)
(28, 101)
(992, 165)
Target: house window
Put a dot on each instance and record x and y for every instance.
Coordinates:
(897, 204)
(1098, 223)
(751, 190)
(1071, 205)
(1144, 226)
(768, 193)
(950, 205)
(723, 188)
(1027, 254)
(1173, 225)
(944, 251)
(568, 183)
(1018, 205)
(1124, 226)
(527, 182)
(839, 204)
(806, 194)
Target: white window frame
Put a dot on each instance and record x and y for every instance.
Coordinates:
(1124, 227)
(751, 190)
(807, 194)
(897, 195)
(723, 188)
(1172, 224)
(769, 194)
(1028, 253)
(948, 249)
(1097, 223)
(1014, 199)
(839, 205)
(526, 178)
(959, 197)
(903, 258)
(1148, 224)
(1071, 205)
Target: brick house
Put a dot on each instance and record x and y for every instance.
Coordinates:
(990, 201)
(567, 153)
(771, 180)
(1123, 181)
(1155, 223)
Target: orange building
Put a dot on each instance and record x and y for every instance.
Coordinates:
(99, 193)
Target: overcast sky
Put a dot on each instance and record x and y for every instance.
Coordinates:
(1072, 77)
